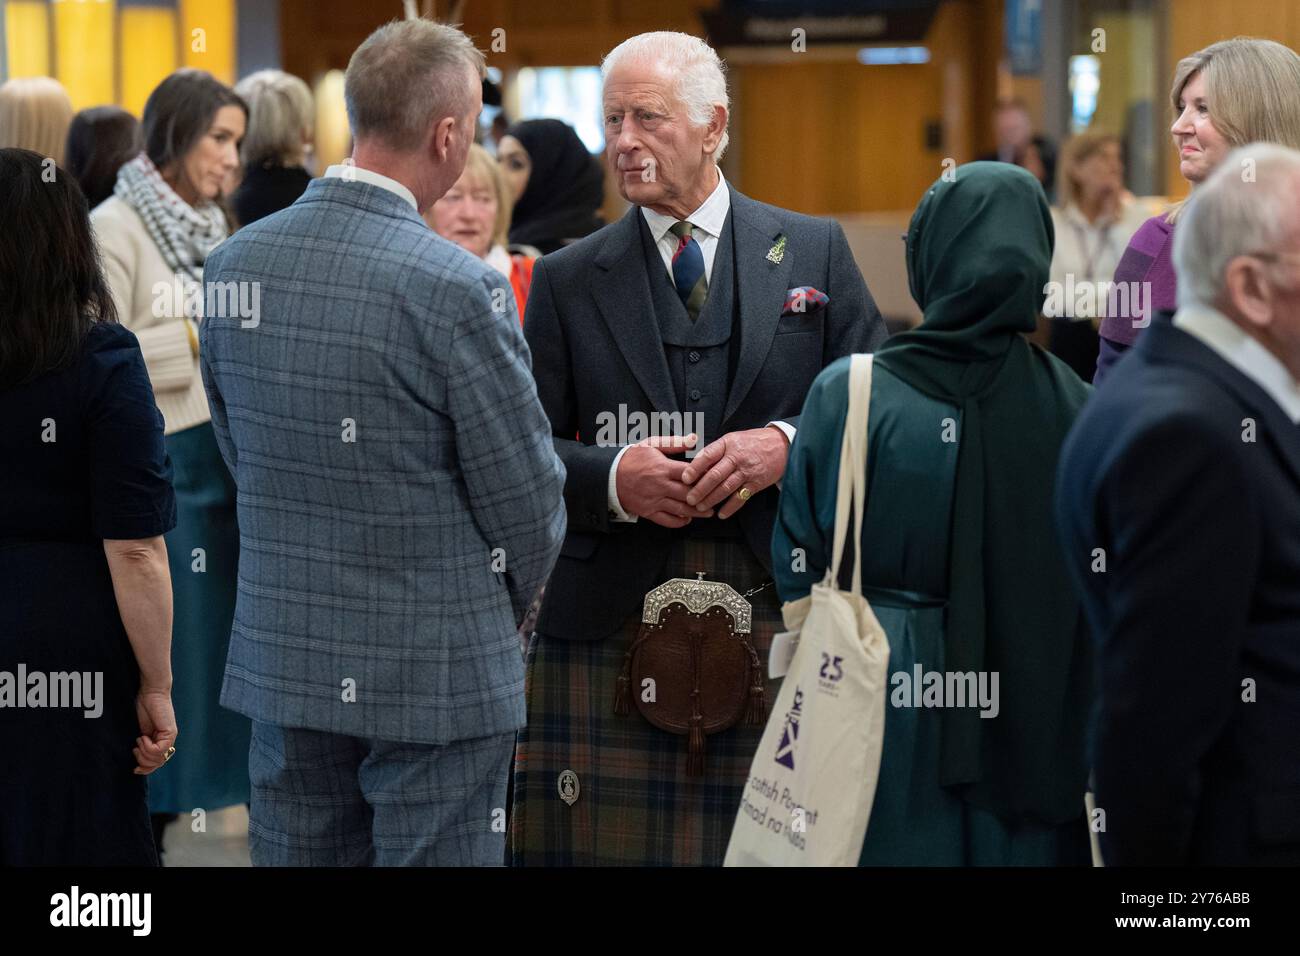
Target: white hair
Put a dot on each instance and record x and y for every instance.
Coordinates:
(1246, 206)
(701, 81)
(281, 115)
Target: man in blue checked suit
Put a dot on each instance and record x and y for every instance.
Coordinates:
(399, 496)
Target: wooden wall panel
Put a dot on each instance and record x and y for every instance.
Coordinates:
(838, 137)
(575, 14)
(861, 148)
(817, 132)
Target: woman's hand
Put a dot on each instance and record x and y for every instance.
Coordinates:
(153, 709)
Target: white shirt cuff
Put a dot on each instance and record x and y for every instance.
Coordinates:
(616, 512)
(788, 431)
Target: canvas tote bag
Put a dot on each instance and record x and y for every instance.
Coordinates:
(813, 779)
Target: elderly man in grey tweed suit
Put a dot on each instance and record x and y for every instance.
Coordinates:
(399, 497)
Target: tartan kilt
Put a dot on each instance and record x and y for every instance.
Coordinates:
(636, 805)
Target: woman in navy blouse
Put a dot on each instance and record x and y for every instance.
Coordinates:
(85, 497)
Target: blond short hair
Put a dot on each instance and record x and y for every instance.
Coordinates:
(35, 114)
(406, 76)
(281, 118)
(1253, 90)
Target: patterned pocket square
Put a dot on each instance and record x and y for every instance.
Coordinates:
(803, 299)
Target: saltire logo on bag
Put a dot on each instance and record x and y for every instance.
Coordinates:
(790, 732)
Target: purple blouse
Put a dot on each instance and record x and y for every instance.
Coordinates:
(1148, 259)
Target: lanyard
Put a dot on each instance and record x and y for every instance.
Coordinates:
(1090, 259)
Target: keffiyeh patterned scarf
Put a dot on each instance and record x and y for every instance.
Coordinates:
(183, 234)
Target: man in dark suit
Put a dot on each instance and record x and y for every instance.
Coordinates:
(1179, 502)
(717, 311)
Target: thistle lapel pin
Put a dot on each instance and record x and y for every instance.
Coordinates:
(777, 252)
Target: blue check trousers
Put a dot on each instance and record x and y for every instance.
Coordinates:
(326, 799)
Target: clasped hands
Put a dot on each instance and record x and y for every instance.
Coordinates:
(653, 485)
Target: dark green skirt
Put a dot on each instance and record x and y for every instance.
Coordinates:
(914, 820)
(210, 769)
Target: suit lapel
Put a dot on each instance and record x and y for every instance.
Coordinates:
(622, 293)
(761, 286)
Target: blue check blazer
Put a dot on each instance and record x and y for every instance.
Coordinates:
(399, 498)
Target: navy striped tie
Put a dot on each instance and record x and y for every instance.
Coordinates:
(688, 270)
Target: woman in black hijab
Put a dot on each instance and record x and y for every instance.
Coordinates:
(559, 186)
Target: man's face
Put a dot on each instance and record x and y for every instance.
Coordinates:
(655, 153)
(1012, 127)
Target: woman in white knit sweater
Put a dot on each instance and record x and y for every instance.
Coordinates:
(154, 234)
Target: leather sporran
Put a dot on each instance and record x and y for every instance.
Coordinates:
(692, 669)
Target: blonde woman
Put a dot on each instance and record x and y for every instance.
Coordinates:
(1229, 94)
(281, 129)
(475, 214)
(35, 114)
(1094, 222)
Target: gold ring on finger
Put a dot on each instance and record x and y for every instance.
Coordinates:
(744, 494)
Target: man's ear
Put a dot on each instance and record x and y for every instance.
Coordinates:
(1246, 287)
(443, 130)
(717, 126)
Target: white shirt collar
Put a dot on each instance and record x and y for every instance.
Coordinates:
(498, 258)
(1243, 352)
(359, 174)
(710, 217)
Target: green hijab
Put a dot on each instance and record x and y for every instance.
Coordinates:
(978, 251)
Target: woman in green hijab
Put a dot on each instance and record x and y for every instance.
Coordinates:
(960, 556)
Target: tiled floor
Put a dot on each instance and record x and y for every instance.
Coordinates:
(224, 842)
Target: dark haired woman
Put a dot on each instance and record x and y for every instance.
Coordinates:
(558, 185)
(85, 498)
(154, 235)
(100, 141)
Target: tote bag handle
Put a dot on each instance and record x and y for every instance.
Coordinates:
(852, 485)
